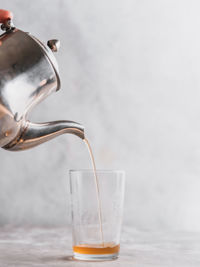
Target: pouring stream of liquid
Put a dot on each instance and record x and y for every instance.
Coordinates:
(97, 189)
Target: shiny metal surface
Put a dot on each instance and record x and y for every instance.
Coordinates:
(7, 25)
(38, 133)
(28, 74)
(50, 56)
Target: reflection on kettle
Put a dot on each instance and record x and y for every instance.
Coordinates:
(28, 74)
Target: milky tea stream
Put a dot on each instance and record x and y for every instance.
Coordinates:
(97, 188)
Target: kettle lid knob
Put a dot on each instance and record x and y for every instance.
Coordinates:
(6, 20)
(54, 45)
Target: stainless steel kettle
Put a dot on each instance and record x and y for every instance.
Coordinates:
(28, 74)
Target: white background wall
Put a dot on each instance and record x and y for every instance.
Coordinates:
(130, 72)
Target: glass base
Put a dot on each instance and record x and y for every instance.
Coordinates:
(95, 257)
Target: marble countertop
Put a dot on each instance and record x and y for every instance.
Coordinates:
(52, 247)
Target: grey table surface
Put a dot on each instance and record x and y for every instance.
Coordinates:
(52, 247)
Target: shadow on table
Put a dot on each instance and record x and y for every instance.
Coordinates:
(65, 258)
(57, 258)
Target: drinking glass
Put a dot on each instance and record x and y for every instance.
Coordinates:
(97, 206)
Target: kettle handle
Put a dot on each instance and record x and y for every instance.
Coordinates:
(5, 15)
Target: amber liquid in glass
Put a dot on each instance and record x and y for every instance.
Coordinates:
(106, 248)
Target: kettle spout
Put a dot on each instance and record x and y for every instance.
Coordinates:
(37, 133)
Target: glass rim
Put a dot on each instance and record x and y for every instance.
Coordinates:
(98, 171)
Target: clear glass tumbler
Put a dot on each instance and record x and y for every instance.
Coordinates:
(97, 206)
